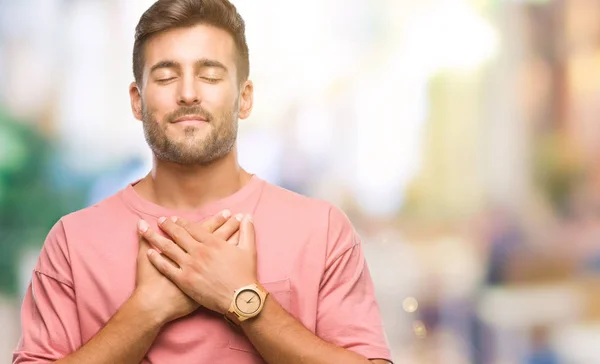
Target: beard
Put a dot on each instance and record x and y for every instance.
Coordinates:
(191, 148)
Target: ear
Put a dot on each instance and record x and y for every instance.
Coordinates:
(246, 99)
(136, 100)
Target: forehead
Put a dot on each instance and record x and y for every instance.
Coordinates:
(188, 45)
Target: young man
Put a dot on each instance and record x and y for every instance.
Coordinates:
(200, 262)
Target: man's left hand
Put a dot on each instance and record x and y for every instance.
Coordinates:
(208, 269)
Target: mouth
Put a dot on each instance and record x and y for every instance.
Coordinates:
(190, 120)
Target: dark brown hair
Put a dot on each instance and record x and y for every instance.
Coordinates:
(170, 14)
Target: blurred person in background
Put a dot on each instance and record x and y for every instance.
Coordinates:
(200, 261)
(542, 351)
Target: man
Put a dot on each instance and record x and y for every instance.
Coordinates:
(222, 267)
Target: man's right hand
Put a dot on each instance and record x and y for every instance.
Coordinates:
(156, 294)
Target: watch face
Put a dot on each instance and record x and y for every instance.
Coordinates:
(248, 302)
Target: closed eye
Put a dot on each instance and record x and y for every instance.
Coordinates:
(210, 79)
(165, 80)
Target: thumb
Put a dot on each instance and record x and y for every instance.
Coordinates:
(247, 234)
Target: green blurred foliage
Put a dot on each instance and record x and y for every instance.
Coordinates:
(30, 199)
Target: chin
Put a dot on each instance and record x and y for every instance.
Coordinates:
(187, 137)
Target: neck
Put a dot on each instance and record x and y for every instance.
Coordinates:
(186, 188)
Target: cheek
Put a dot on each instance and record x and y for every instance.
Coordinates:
(219, 96)
(152, 117)
(159, 100)
(154, 114)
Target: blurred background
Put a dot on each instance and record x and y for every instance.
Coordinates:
(459, 136)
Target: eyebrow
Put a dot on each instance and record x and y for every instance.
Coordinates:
(201, 63)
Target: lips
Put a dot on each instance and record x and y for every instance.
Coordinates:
(191, 118)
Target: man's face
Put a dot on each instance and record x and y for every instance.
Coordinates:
(190, 97)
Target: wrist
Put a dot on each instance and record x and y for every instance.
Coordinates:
(155, 316)
(258, 319)
(225, 304)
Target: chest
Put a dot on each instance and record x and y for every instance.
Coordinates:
(104, 271)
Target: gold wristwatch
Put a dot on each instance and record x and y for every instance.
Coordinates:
(247, 303)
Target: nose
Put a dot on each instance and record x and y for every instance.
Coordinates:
(188, 95)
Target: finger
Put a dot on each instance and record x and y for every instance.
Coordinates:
(163, 265)
(216, 221)
(247, 234)
(166, 246)
(234, 239)
(181, 222)
(179, 235)
(141, 258)
(229, 228)
(143, 265)
(143, 249)
(210, 225)
(143, 244)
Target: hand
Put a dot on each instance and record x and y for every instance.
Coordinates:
(154, 293)
(157, 294)
(228, 231)
(206, 268)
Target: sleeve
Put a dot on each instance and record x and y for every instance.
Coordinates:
(348, 314)
(49, 321)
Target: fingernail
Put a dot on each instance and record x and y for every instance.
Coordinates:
(239, 217)
(174, 218)
(143, 226)
(161, 219)
(226, 214)
(249, 218)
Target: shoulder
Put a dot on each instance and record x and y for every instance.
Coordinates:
(318, 217)
(310, 211)
(95, 216)
(81, 225)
